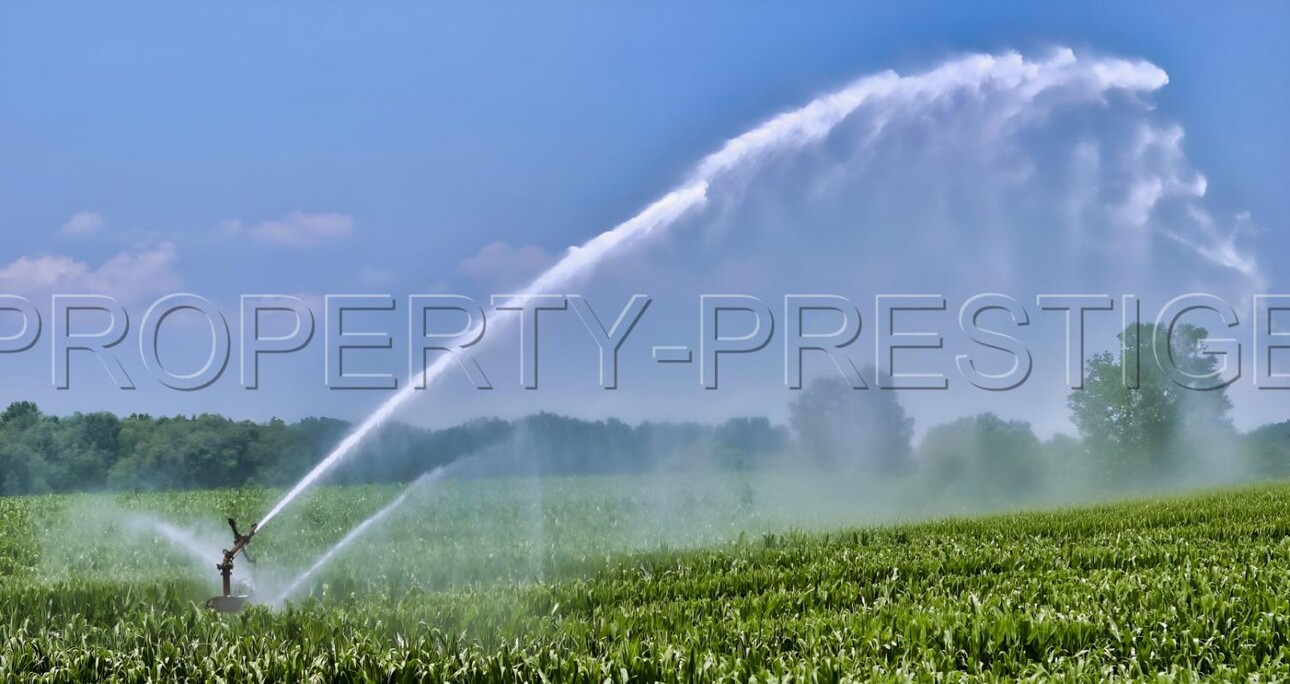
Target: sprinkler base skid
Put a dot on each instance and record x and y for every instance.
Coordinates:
(227, 604)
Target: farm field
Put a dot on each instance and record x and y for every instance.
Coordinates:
(593, 579)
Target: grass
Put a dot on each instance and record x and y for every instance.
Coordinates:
(592, 580)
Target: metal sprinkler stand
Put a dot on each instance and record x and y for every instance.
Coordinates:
(227, 602)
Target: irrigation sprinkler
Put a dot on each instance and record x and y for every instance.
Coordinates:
(227, 602)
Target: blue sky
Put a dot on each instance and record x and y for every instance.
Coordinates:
(406, 139)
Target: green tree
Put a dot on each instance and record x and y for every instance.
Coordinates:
(841, 427)
(27, 451)
(20, 415)
(747, 442)
(88, 446)
(1154, 427)
(1269, 449)
(984, 457)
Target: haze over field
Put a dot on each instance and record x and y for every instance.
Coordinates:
(1052, 173)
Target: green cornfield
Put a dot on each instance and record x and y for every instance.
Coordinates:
(601, 579)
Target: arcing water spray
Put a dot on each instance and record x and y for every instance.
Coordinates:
(785, 132)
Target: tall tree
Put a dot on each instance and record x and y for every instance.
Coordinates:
(984, 457)
(845, 428)
(1150, 429)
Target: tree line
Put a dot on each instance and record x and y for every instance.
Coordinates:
(1153, 433)
(41, 453)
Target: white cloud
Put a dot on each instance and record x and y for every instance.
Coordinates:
(371, 276)
(231, 228)
(296, 229)
(83, 224)
(128, 276)
(500, 263)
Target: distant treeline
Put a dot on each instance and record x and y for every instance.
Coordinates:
(1158, 433)
(42, 453)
